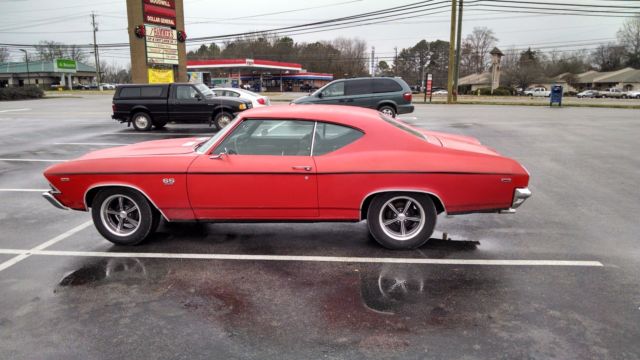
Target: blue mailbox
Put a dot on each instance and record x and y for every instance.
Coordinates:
(556, 95)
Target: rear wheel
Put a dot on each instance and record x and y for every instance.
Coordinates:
(222, 119)
(123, 216)
(388, 110)
(141, 121)
(401, 220)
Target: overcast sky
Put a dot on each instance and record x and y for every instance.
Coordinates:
(30, 21)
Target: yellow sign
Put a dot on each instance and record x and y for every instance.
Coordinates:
(160, 76)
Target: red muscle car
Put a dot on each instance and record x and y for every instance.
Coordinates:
(293, 163)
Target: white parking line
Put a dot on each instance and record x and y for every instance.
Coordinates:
(26, 253)
(23, 190)
(32, 160)
(12, 110)
(339, 259)
(91, 144)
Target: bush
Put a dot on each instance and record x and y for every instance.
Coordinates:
(19, 93)
(501, 91)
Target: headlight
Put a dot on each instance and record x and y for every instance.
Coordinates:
(242, 106)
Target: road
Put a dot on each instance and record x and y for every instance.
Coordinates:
(557, 280)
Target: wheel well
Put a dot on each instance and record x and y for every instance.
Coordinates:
(220, 109)
(365, 204)
(91, 194)
(388, 104)
(134, 111)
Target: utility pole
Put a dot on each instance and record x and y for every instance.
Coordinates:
(373, 56)
(452, 40)
(94, 25)
(456, 69)
(26, 59)
(395, 62)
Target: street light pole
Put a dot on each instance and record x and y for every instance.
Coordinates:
(26, 57)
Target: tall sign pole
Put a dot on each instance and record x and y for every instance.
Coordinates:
(456, 69)
(157, 41)
(94, 27)
(452, 40)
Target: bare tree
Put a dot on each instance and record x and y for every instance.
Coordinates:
(477, 46)
(608, 57)
(4, 54)
(629, 37)
(353, 57)
(51, 50)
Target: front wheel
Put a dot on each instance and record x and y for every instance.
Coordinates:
(123, 216)
(401, 220)
(222, 119)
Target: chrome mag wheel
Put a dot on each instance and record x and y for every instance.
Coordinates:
(120, 215)
(402, 218)
(141, 121)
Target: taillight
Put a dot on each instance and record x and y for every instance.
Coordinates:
(407, 96)
(113, 107)
(261, 101)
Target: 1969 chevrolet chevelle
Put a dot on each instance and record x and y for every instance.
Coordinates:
(293, 163)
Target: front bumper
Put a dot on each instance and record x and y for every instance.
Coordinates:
(53, 201)
(519, 197)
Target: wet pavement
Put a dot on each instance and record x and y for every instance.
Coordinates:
(84, 298)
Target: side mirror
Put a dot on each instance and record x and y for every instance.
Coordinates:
(198, 96)
(320, 95)
(220, 156)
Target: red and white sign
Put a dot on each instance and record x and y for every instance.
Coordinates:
(162, 45)
(429, 84)
(161, 12)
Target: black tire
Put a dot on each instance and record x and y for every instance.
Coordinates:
(141, 121)
(388, 110)
(391, 236)
(159, 124)
(140, 221)
(222, 119)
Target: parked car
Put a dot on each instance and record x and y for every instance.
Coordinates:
(293, 163)
(537, 91)
(440, 92)
(388, 95)
(308, 87)
(613, 93)
(588, 94)
(147, 105)
(256, 99)
(633, 94)
(108, 86)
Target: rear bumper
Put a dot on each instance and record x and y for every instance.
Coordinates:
(53, 201)
(519, 197)
(405, 109)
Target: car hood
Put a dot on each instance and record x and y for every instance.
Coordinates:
(149, 148)
(460, 142)
(303, 100)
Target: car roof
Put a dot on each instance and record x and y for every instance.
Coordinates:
(347, 115)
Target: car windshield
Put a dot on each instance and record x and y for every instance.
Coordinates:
(403, 127)
(205, 146)
(205, 90)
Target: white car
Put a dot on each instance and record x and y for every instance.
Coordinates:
(440, 92)
(633, 94)
(256, 99)
(537, 91)
(108, 86)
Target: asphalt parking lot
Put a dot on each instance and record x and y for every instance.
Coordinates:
(557, 280)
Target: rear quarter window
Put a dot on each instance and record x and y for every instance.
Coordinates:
(386, 85)
(151, 91)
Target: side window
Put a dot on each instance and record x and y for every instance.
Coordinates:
(331, 137)
(186, 92)
(359, 87)
(269, 137)
(385, 86)
(333, 90)
(151, 91)
(130, 92)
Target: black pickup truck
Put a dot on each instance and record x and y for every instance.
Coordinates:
(150, 105)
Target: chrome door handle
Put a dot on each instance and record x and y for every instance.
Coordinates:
(302, 167)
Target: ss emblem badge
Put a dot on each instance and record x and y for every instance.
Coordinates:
(168, 181)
